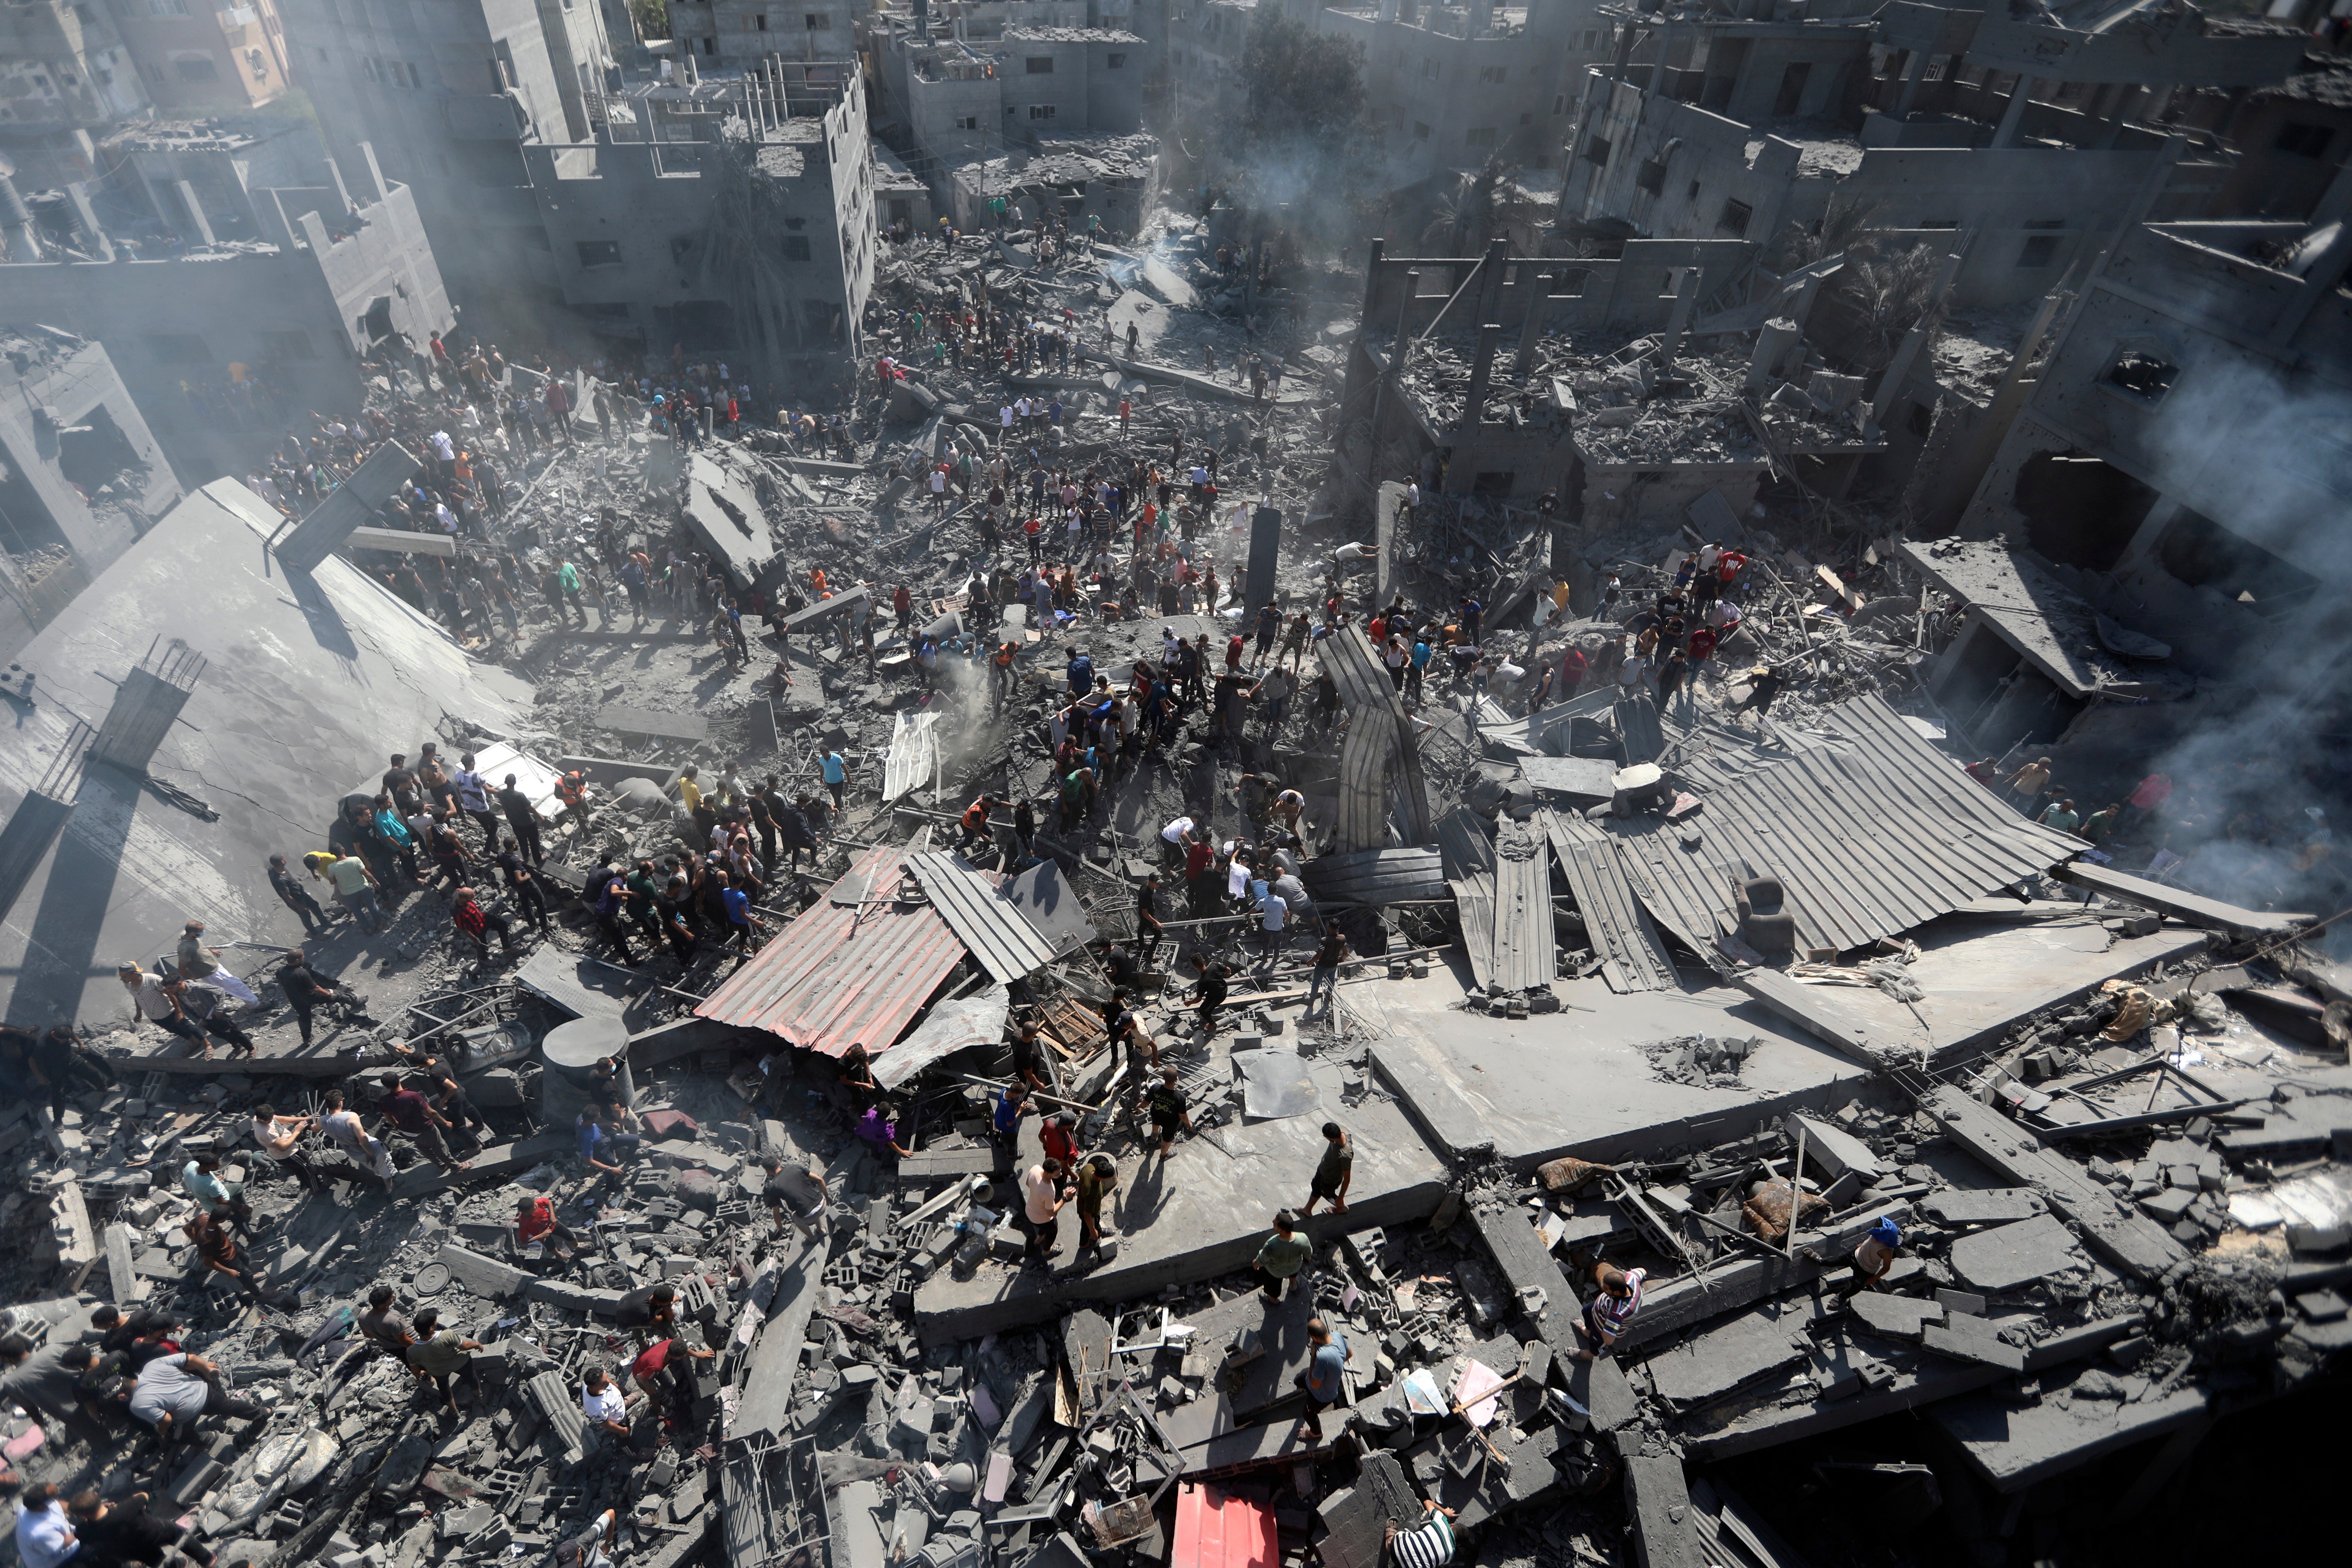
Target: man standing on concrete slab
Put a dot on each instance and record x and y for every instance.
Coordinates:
(1876, 1253)
(522, 820)
(1334, 1171)
(306, 991)
(368, 1155)
(1165, 1104)
(195, 961)
(1211, 988)
(1322, 1381)
(1042, 1197)
(1281, 1255)
(296, 897)
(1612, 1309)
(1097, 1176)
(1325, 980)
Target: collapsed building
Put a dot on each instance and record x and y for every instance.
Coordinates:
(220, 331)
(2038, 138)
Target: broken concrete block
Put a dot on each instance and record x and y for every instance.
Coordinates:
(1835, 1150)
(1895, 1317)
(483, 1276)
(2167, 1207)
(1966, 1302)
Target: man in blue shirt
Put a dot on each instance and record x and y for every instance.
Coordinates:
(1322, 1381)
(837, 773)
(1079, 672)
(611, 902)
(1011, 1105)
(740, 927)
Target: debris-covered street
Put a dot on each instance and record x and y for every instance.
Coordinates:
(1114, 940)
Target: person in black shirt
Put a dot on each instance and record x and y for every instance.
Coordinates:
(1325, 977)
(648, 1313)
(1029, 1056)
(139, 1338)
(1211, 991)
(307, 989)
(296, 897)
(528, 895)
(523, 820)
(1147, 929)
(112, 1535)
(1118, 965)
(400, 779)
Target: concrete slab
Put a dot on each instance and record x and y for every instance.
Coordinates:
(1965, 1338)
(1201, 1212)
(313, 679)
(1985, 1206)
(1665, 1525)
(1703, 1367)
(2009, 1256)
(2014, 1448)
(1895, 1317)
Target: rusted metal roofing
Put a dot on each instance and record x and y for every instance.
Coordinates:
(1218, 1528)
(987, 922)
(841, 975)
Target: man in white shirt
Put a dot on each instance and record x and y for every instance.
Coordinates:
(280, 1139)
(366, 1151)
(605, 1408)
(45, 1537)
(1176, 835)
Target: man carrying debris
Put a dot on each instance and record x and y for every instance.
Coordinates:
(1098, 1175)
(664, 1371)
(1164, 1103)
(1876, 1253)
(797, 1193)
(368, 1154)
(535, 1218)
(1212, 976)
(476, 923)
(440, 1354)
(603, 1407)
(173, 1390)
(280, 1139)
(1281, 1255)
(1430, 1545)
(406, 1110)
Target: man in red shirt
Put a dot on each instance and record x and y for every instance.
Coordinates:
(406, 1110)
(1572, 673)
(535, 1218)
(661, 1372)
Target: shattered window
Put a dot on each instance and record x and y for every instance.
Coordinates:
(2038, 250)
(1653, 177)
(600, 252)
(1735, 218)
(1596, 150)
(2142, 371)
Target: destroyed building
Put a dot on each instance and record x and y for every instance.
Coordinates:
(207, 60)
(219, 335)
(2035, 139)
(1618, 398)
(84, 477)
(1038, 104)
(1730, 1109)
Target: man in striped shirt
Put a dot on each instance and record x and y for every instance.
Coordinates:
(1612, 1309)
(1428, 1545)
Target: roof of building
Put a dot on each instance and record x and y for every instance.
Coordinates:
(2051, 626)
(2323, 80)
(1069, 35)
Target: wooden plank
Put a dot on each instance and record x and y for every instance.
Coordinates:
(2209, 913)
(2130, 1241)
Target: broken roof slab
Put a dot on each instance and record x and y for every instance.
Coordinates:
(313, 680)
(1198, 1214)
(1578, 1082)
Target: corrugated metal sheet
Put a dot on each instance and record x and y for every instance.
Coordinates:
(914, 757)
(840, 975)
(1377, 733)
(998, 934)
(1524, 943)
(1374, 877)
(1871, 832)
(1632, 958)
(1218, 1528)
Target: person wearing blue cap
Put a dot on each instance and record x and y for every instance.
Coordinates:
(1877, 1253)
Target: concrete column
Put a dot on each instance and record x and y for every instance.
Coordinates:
(335, 178)
(1678, 322)
(1538, 288)
(2119, 113)
(1658, 66)
(2160, 513)
(1914, 73)
(1773, 339)
(2005, 133)
(284, 234)
(195, 209)
(377, 191)
(1482, 372)
(86, 221)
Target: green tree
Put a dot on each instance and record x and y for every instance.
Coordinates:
(653, 17)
